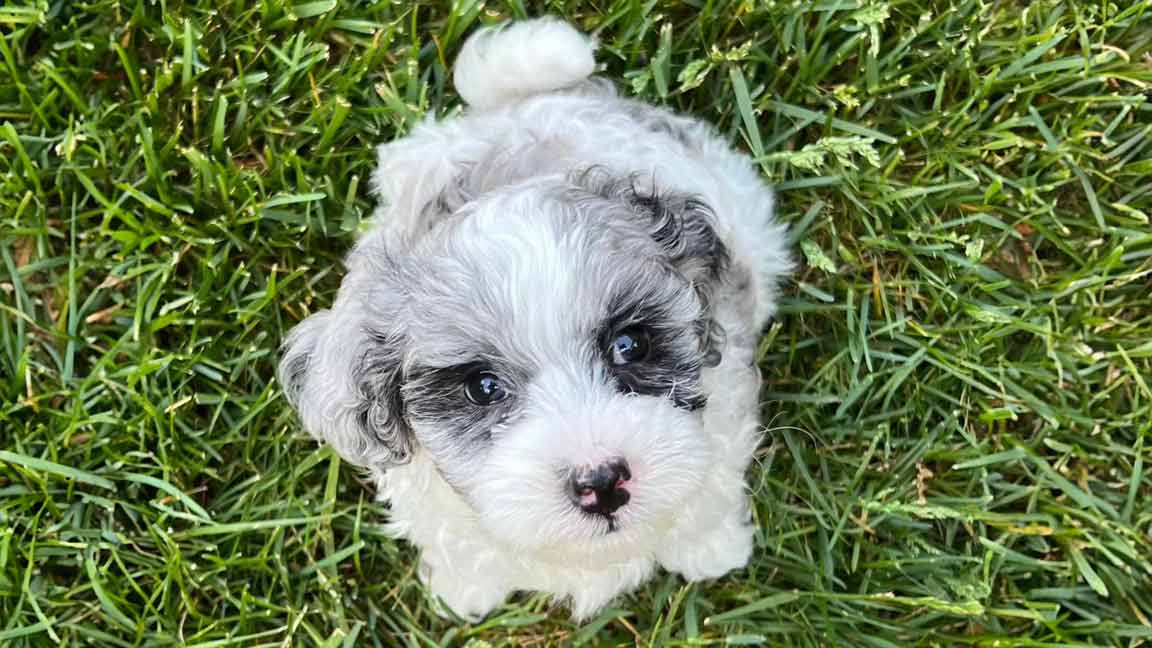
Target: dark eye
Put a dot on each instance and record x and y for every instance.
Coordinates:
(629, 345)
(484, 388)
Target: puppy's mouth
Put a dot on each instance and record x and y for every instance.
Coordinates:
(612, 521)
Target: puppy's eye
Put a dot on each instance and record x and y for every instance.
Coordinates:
(484, 388)
(629, 345)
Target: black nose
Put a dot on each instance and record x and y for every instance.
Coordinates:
(601, 489)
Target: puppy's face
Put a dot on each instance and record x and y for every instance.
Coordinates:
(543, 345)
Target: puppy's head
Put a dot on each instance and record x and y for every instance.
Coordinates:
(542, 344)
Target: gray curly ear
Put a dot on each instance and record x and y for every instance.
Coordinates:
(685, 228)
(344, 382)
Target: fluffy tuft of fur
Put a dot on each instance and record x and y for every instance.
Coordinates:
(511, 61)
(519, 242)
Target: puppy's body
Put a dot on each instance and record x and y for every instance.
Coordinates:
(607, 268)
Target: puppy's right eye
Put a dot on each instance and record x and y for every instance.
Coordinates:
(484, 388)
(630, 345)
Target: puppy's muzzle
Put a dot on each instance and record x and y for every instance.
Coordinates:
(602, 489)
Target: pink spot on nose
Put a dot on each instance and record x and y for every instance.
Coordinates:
(587, 497)
(601, 489)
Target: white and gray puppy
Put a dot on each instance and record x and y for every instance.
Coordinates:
(544, 347)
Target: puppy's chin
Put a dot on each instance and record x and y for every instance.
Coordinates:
(523, 498)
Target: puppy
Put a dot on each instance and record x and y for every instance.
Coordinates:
(544, 348)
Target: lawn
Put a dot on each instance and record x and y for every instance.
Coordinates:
(958, 396)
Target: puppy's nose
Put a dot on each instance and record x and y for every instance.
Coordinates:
(601, 489)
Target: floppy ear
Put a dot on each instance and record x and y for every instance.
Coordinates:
(685, 227)
(344, 381)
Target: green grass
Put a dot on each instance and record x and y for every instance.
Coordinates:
(959, 387)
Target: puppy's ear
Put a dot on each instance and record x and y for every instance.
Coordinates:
(344, 381)
(685, 227)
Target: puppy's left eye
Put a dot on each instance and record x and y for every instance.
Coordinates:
(629, 345)
(484, 388)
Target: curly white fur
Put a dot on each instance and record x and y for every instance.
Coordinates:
(502, 234)
(500, 65)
